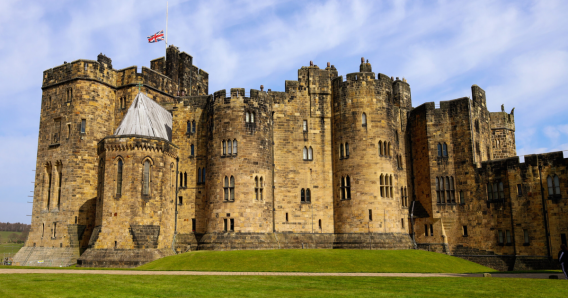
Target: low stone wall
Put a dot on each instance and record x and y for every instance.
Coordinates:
(46, 256)
(121, 258)
(442, 248)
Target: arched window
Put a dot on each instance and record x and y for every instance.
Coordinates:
(342, 188)
(495, 191)
(146, 187)
(462, 199)
(501, 191)
(203, 176)
(229, 147)
(380, 148)
(439, 198)
(119, 178)
(364, 119)
(308, 196)
(302, 195)
(385, 152)
(439, 150)
(453, 191)
(193, 127)
(188, 127)
(199, 175)
(261, 189)
(252, 117)
(348, 187)
(185, 179)
(340, 150)
(247, 117)
(305, 125)
(442, 192)
(346, 150)
(556, 185)
(256, 188)
(224, 147)
(448, 190)
(391, 187)
(489, 192)
(226, 188)
(232, 188)
(305, 153)
(382, 185)
(310, 153)
(192, 150)
(389, 153)
(445, 150)
(235, 146)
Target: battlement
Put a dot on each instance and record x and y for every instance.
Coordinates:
(502, 120)
(79, 69)
(446, 109)
(498, 166)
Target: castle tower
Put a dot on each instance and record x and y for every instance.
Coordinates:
(136, 206)
(77, 103)
(369, 177)
(502, 134)
(239, 164)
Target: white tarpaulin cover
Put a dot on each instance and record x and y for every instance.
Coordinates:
(146, 117)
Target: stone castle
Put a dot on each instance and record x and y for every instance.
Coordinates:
(133, 166)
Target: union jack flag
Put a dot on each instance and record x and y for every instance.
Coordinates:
(156, 37)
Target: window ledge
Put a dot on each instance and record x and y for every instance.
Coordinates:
(509, 244)
(117, 196)
(501, 244)
(228, 201)
(54, 145)
(306, 202)
(465, 236)
(526, 244)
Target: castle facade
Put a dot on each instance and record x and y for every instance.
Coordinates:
(133, 166)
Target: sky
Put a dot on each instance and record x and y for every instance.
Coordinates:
(517, 51)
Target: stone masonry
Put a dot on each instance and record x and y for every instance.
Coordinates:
(330, 162)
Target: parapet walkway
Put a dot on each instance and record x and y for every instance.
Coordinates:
(136, 272)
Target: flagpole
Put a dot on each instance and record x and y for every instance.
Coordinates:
(166, 30)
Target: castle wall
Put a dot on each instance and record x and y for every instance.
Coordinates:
(503, 135)
(307, 99)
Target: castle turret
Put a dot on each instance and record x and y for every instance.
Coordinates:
(502, 134)
(136, 206)
(239, 164)
(370, 186)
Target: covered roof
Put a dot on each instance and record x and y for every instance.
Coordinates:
(146, 117)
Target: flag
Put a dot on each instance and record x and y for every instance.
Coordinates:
(156, 37)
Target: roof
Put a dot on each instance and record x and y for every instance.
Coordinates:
(145, 117)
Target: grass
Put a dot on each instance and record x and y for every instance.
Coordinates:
(317, 260)
(10, 248)
(87, 285)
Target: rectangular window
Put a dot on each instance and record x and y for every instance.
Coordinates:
(286, 216)
(193, 225)
(462, 199)
(526, 234)
(501, 240)
(232, 224)
(431, 230)
(508, 235)
(225, 224)
(402, 222)
(370, 215)
(56, 131)
(563, 239)
(83, 125)
(426, 230)
(54, 229)
(519, 190)
(68, 130)
(305, 126)
(464, 231)
(180, 201)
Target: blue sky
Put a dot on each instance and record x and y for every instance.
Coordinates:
(516, 50)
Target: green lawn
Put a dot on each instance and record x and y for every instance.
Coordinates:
(86, 285)
(5, 236)
(317, 260)
(10, 248)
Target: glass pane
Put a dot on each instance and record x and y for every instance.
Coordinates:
(247, 117)
(550, 187)
(346, 149)
(232, 181)
(439, 150)
(303, 198)
(229, 147)
(305, 153)
(235, 147)
(489, 192)
(226, 181)
(557, 185)
(310, 153)
(146, 177)
(308, 195)
(252, 117)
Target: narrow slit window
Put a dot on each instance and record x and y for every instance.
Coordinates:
(310, 153)
(229, 147)
(342, 188)
(346, 149)
(199, 175)
(526, 236)
(247, 117)
(226, 189)
(193, 127)
(224, 147)
(380, 148)
(256, 188)
(445, 150)
(439, 150)
(119, 178)
(261, 189)
(305, 125)
(489, 192)
(308, 196)
(370, 215)
(302, 195)
(188, 128)
(556, 185)
(83, 125)
(341, 151)
(232, 221)
(146, 178)
(364, 119)
(192, 150)
(252, 117)
(305, 153)
(185, 179)
(348, 187)
(235, 146)
(501, 191)
(232, 188)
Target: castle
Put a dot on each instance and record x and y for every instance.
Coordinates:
(134, 166)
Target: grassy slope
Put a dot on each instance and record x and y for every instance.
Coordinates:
(316, 260)
(5, 236)
(87, 285)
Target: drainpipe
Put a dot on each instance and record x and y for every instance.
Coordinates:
(544, 212)
(176, 207)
